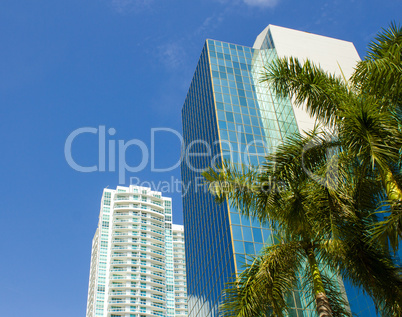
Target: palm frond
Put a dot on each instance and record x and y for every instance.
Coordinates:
(369, 134)
(380, 73)
(389, 230)
(234, 182)
(309, 85)
(366, 266)
(262, 288)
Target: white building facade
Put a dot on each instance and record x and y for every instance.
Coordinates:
(334, 56)
(137, 263)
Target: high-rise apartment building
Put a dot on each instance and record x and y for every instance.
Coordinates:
(229, 114)
(138, 263)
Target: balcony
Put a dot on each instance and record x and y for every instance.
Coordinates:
(121, 206)
(120, 301)
(116, 309)
(121, 221)
(120, 234)
(121, 227)
(119, 270)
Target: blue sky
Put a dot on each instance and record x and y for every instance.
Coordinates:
(122, 64)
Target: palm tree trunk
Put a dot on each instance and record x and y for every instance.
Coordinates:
(321, 299)
(392, 189)
(389, 231)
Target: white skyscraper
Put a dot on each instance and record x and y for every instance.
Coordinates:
(137, 263)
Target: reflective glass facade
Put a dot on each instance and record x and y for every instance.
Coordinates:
(228, 114)
(360, 303)
(211, 257)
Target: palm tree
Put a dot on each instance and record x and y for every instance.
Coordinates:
(321, 225)
(380, 75)
(366, 112)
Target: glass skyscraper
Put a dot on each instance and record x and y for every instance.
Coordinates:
(137, 261)
(229, 114)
